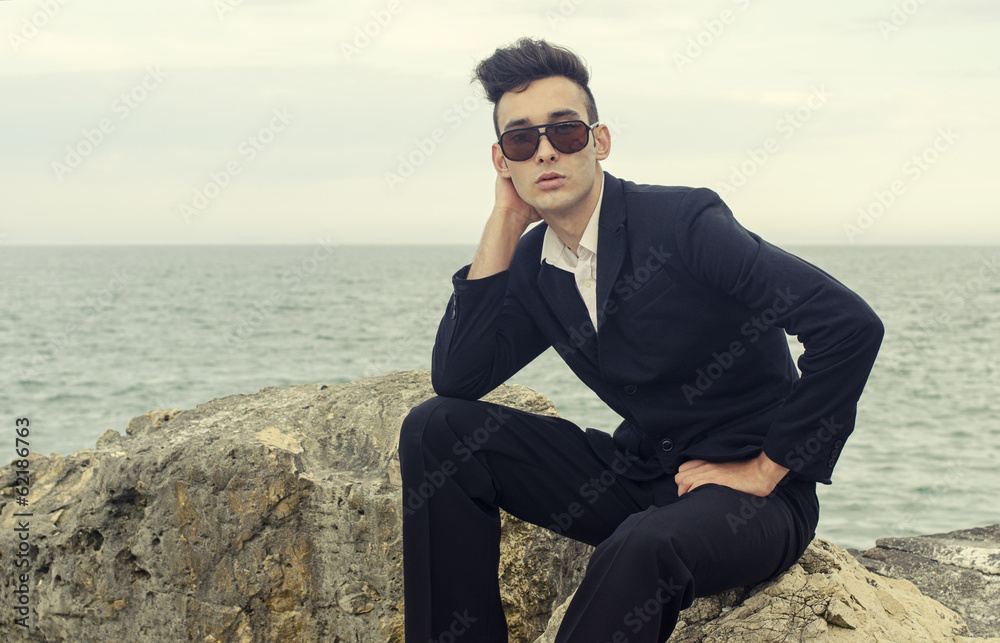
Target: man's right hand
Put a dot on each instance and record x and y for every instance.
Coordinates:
(511, 216)
(509, 203)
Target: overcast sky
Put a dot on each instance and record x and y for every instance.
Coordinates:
(220, 121)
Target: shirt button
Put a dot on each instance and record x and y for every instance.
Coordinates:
(666, 444)
(587, 283)
(629, 389)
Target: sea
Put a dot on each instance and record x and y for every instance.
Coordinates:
(95, 335)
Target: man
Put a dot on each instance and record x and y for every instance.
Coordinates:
(676, 317)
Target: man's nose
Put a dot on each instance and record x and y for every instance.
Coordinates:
(545, 148)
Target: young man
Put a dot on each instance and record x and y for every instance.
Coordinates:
(674, 315)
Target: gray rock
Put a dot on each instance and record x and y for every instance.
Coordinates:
(267, 517)
(961, 569)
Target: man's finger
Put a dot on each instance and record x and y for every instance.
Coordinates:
(691, 479)
(691, 464)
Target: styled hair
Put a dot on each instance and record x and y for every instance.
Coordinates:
(513, 68)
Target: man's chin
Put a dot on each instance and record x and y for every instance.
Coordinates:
(554, 202)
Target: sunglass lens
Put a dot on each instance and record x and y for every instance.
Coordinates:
(569, 138)
(519, 145)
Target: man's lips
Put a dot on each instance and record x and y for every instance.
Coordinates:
(550, 181)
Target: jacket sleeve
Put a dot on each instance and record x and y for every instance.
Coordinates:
(840, 332)
(484, 337)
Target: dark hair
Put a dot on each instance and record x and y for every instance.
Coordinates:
(513, 68)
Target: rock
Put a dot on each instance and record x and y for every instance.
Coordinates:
(267, 517)
(826, 597)
(277, 517)
(961, 569)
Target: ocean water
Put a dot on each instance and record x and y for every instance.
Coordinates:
(96, 335)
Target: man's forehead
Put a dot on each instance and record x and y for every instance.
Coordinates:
(565, 113)
(544, 101)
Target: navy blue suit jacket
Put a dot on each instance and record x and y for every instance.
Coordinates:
(690, 346)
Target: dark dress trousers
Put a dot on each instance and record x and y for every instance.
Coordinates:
(690, 349)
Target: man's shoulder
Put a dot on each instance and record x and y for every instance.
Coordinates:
(645, 206)
(662, 195)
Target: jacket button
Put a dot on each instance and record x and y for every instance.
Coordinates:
(666, 444)
(838, 444)
(831, 462)
(629, 389)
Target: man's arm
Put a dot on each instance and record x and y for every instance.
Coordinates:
(840, 332)
(486, 335)
(511, 216)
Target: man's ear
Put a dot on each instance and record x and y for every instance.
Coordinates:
(602, 141)
(499, 162)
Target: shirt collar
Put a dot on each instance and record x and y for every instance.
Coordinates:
(554, 250)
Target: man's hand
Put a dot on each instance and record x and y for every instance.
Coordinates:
(510, 218)
(510, 204)
(758, 476)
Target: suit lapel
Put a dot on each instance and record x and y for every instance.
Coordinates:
(559, 289)
(610, 242)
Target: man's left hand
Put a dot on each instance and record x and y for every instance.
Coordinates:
(758, 476)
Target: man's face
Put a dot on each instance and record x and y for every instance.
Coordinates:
(555, 184)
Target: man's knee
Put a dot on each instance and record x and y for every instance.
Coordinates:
(421, 418)
(442, 422)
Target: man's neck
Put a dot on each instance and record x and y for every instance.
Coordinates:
(570, 227)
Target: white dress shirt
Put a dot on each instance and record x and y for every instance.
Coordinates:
(583, 263)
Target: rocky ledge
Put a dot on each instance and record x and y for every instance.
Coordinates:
(276, 517)
(961, 569)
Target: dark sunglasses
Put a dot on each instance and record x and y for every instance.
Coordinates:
(567, 137)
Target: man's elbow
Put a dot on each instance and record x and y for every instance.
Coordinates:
(875, 330)
(869, 333)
